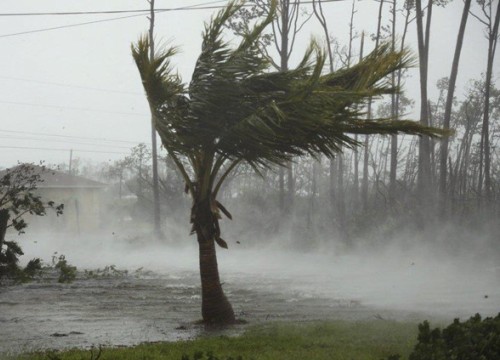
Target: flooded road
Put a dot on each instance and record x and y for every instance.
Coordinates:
(163, 304)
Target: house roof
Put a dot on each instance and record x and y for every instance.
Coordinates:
(54, 179)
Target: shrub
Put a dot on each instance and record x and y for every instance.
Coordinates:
(67, 273)
(474, 339)
(18, 198)
(9, 268)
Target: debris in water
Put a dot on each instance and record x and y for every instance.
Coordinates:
(66, 334)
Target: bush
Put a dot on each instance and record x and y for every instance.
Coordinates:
(475, 339)
(18, 198)
(9, 268)
(67, 273)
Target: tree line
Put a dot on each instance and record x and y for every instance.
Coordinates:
(394, 179)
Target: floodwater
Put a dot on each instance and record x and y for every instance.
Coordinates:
(161, 300)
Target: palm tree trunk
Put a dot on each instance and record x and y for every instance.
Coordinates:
(215, 307)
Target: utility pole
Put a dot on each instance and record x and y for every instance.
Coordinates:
(70, 161)
(156, 192)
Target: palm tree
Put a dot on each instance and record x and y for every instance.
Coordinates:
(236, 110)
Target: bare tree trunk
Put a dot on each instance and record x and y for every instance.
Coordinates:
(394, 115)
(318, 11)
(448, 107)
(314, 190)
(364, 184)
(291, 188)
(356, 153)
(424, 166)
(340, 157)
(492, 42)
(284, 67)
(432, 144)
(281, 195)
(332, 192)
(395, 104)
(341, 197)
(284, 52)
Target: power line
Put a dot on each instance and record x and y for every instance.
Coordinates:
(63, 141)
(202, 6)
(65, 13)
(192, 7)
(68, 136)
(18, 103)
(143, 12)
(67, 26)
(56, 149)
(71, 85)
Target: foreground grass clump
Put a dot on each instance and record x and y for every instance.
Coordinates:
(372, 340)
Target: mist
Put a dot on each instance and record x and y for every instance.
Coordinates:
(442, 273)
(268, 275)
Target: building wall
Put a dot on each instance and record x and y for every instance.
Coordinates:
(82, 210)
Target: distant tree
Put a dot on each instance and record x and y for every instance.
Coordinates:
(364, 183)
(424, 154)
(448, 107)
(285, 26)
(491, 21)
(138, 163)
(235, 109)
(18, 198)
(118, 170)
(465, 169)
(337, 199)
(425, 148)
(397, 102)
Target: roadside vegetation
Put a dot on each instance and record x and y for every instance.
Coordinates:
(333, 340)
(18, 199)
(473, 339)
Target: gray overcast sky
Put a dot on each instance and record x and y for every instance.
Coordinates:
(104, 97)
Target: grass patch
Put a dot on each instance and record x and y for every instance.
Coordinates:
(373, 340)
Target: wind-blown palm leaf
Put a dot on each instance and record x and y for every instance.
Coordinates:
(237, 109)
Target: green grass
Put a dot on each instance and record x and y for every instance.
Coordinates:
(329, 340)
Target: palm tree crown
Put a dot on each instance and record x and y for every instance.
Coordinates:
(235, 109)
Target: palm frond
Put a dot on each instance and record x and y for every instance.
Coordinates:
(239, 109)
(159, 82)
